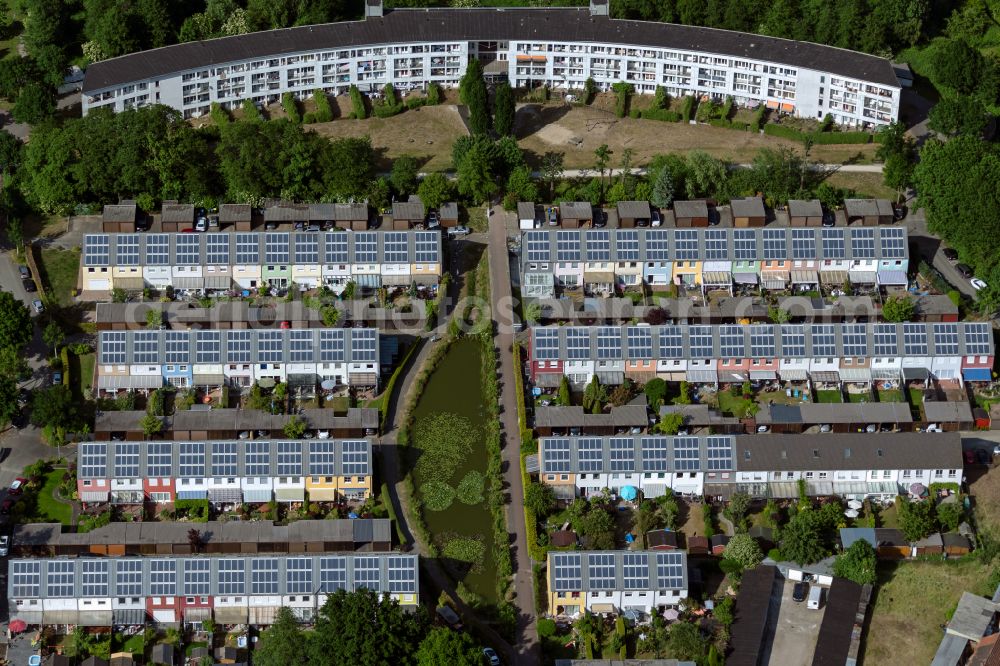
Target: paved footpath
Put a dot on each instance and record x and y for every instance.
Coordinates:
(528, 649)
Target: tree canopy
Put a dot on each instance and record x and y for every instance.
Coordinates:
(857, 563)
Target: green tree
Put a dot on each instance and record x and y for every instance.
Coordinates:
(916, 519)
(663, 189)
(540, 498)
(330, 315)
(683, 394)
(589, 90)
(283, 643)
(435, 189)
(738, 506)
(956, 66)
(552, 170)
(472, 92)
(8, 398)
(521, 186)
(532, 312)
(952, 116)
(364, 627)
(898, 309)
(950, 515)
(444, 646)
(13, 363)
(35, 103)
(15, 322)
(53, 336)
(476, 178)
(154, 319)
(777, 315)
(857, 563)
(594, 396)
(602, 157)
(656, 391)
(744, 550)
(151, 425)
(670, 424)
(565, 397)
(801, 540)
(503, 110)
(295, 428)
(706, 175)
(54, 406)
(598, 527)
(404, 175)
(685, 642)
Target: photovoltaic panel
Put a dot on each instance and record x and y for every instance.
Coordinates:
(567, 573)
(556, 456)
(590, 454)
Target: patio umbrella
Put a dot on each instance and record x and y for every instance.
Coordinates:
(670, 614)
(917, 489)
(328, 385)
(265, 382)
(851, 513)
(629, 493)
(855, 504)
(17, 626)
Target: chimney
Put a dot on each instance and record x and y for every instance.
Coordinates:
(598, 7)
(373, 8)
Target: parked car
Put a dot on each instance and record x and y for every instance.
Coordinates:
(763, 428)
(201, 224)
(18, 420)
(29, 286)
(600, 219)
(825, 428)
(458, 231)
(899, 212)
(17, 486)
(491, 656)
(553, 217)
(965, 271)
(56, 378)
(4, 545)
(800, 592)
(656, 219)
(829, 219)
(312, 226)
(977, 284)
(23, 272)
(38, 306)
(950, 254)
(933, 427)
(983, 457)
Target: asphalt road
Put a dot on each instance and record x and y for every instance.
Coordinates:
(929, 248)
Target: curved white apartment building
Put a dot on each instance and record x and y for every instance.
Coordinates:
(559, 47)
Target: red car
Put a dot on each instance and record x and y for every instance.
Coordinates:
(17, 487)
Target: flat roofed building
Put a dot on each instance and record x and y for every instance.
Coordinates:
(800, 78)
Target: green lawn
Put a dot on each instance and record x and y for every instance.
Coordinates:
(50, 510)
(829, 396)
(729, 403)
(859, 397)
(82, 374)
(59, 272)
(890, 395)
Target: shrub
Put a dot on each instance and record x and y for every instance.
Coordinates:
(433, 94)
(634, 113)
(665, 115)
(291, 107)
(687, 108)
(661, 99)
(727, 109)
(786, 132)
(623, 93)
(358, 103)
(759, 116)
(416, 102)
(324, 112)
(219, 115)
(251, 112)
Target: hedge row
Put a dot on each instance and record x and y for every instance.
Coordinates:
(665, 115)
(687, 108)
(323, 113)
(219, 115)
(729, 124)
(291, 107)
(391, 510)
(817, 137)
(383, 407)
(358, 103)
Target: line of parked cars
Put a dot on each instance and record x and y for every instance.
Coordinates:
(963, 269)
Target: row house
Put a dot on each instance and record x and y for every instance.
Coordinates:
(221, 261)
(142, 360)
(585, 466)
(773, 258)
(616, 581)
(728, 353)
(225, 472)
(848, 464)
(174, 591)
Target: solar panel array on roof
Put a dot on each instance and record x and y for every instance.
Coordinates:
(638, 454)
(601, 571)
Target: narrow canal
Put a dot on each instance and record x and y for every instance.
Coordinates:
(449, 464)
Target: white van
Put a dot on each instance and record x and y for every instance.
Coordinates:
(815, 597)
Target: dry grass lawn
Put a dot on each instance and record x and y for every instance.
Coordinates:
(578, 131)
(865, 184)
(427, 133)
(914, 599)
(984, 486)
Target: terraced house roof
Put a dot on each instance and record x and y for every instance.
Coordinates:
(562, 25)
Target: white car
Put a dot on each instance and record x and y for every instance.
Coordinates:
(933, 427)
(4, 545)
(458, 231)
(977, 284)
(491, 656)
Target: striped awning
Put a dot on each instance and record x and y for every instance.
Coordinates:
(209, 380)
(257, 495)
(654, 490)
(94, 496)
(129, 616)
(60, 616)
(825, 376)
(794, 374)
(745, 278)
(225, 495)
(130, 283)
(231, 614)
(805, 277)
(192, 494)
(548, 379)
(28, 617)
(188, 282)
(129, 381)
(856, 374)
(95, 618)
(976, 374)
(731, 376)
(833, 277)
(863, 277)
(197, 614)
(771, 283)
(702, 376)
(304, 379)
(263, 614)
(290, 494)
(218, 282)
(362, 379)
(717, 278)
(896, 278)
(886, 373)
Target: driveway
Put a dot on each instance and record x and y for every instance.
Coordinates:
(796, 630)
(929, 248)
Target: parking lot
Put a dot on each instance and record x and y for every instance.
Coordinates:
(796, 630)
